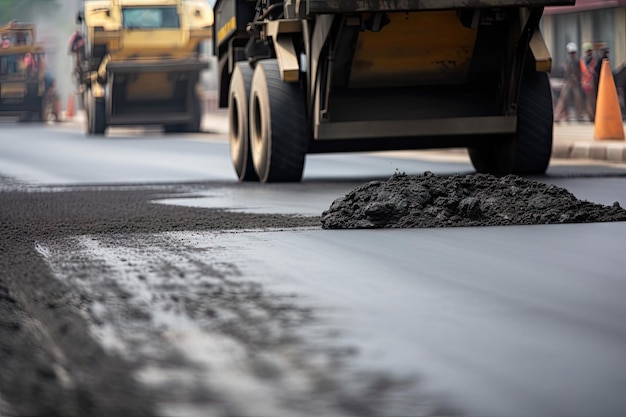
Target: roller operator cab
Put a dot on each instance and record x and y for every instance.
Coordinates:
(314, 76)
(141, 63)
(22, 73)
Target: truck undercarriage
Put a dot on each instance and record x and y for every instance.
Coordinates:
(372, 75)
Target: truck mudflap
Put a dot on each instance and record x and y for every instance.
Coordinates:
(141, 66)
(350, 6)
(150, 119)
(415, 128)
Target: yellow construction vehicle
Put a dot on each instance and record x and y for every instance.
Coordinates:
(22, 72)
(141, 63)
(312, 76)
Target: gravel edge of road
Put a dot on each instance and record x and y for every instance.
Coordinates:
(51, 364)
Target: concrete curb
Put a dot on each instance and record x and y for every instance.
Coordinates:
(576, 140)
(609, 151)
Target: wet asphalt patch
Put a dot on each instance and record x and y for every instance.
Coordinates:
(77, 338)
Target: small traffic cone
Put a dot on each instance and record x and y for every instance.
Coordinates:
(608, 120)
(70, 111)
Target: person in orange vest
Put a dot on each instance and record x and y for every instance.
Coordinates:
(6, 42)
(30, 65)
(77, 48)
(587, 79)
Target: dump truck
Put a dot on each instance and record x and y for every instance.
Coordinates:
(314, 76)
(141, 63)
(22, 73)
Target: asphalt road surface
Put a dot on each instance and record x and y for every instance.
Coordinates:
(139, 278)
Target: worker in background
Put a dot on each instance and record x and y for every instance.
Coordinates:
(10, 61)
(588, 79)
(604, 56)
(6, 42)
(21, 39)
(30, 65)
(571, 86)
(77, 48)
(50, 98)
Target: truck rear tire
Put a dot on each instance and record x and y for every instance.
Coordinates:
(37, 112)
(196, 117)
(238, 133)
(96, 122)
(26, 117)
(42, 114)
(191, 127)
(535, 120)
(278, 125)
(495, 157)
(528, 152)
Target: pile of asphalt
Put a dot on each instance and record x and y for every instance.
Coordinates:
(428, 200)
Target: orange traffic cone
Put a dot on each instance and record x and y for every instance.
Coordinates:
(69, 112)
(608, 121)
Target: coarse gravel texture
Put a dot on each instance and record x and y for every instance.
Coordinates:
(50, 363)
(428, 200)
(100, 287)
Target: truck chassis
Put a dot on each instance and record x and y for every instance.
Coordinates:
(316, 76)
(141, 63)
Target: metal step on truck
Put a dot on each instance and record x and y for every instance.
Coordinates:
(316, 76)
(141, 63)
